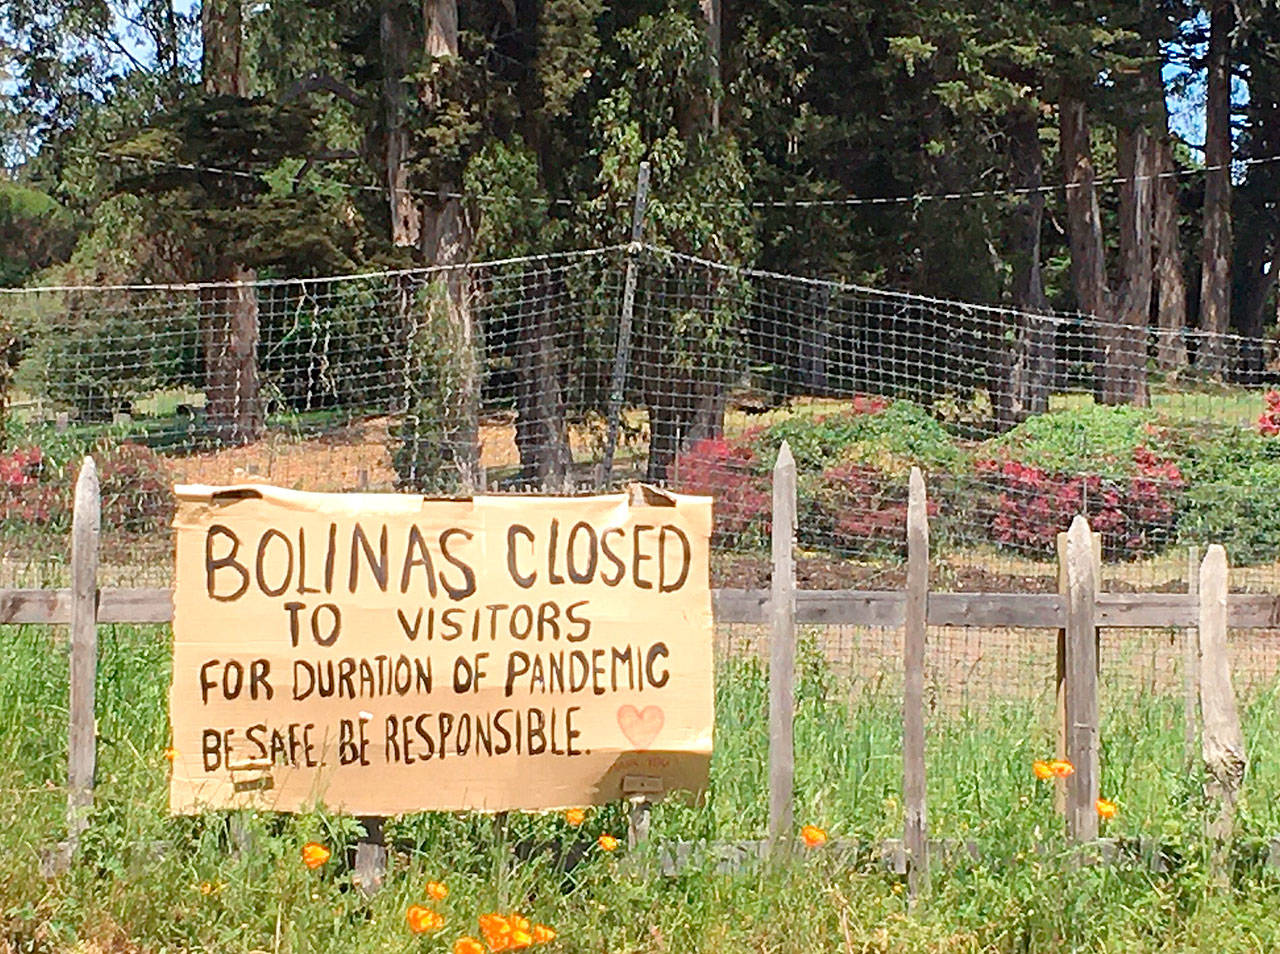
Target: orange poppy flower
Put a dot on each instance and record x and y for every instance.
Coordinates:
(1107, 809)
(422, 919)
(575, 816)
(467, 945)
(1043, 769)
(315, 854)
(1062, 768)
(543, 934)
(813, 836)
(170, 754)
(496, 932)
(437, 890)
(607, 842)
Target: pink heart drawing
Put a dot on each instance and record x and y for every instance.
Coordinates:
(642, 726)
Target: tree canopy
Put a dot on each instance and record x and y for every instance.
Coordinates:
(999, 152)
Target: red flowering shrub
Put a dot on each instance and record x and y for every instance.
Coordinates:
(137, 492)
(729, 472)
(856, 509)
(135, 487)
(20, 468)
(1269, 420)
(27, 497)
(1135, 514)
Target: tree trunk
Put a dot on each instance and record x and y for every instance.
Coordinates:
(541, 436)
(229, 312)
(1124, 374)
(1024, 363)
(221, 69)
(1084, 228)
(713, 21)
(688, 404)
(1170, 285)
(393, 27)
(229, 341)
(685, 406)
(1253, 321)
(1253, 311)
(1215, 265)
(446, 239)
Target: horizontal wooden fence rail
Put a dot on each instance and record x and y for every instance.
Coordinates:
(883, 608)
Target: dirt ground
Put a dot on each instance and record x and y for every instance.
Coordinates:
(349, 458)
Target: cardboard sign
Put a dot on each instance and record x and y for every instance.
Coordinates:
(385, 653)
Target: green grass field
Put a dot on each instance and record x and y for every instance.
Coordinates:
(149, 882)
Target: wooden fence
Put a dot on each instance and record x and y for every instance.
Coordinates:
(1077, 612)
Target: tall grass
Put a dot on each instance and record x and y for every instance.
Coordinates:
(147, 881)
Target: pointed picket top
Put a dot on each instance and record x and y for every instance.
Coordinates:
(917, 501)
(786, 460)
(1215, 562)
(1079, 530)
(87, 486)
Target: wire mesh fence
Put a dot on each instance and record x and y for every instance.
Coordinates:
(497, 375)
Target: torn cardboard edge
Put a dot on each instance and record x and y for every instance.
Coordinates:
(636, 495)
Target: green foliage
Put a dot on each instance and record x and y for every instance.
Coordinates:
(1092, 438)
(658, 106)
(891, 437)
(35, 232)
(517, 219)
(332, 350)
(1233, 485)
(73, 340)
(569, 46)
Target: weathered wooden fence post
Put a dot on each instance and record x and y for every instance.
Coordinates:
(1082, 682)
(1060, 714)
(86, 522)
(782, 651)
(1223, 749)
(1191, 666)
(916, 824)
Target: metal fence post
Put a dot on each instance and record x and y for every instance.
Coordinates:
(622, 354)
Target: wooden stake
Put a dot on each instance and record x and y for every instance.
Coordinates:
(916, 828)
(1223, 746)
(1082, 682)
(782, 651)
(1060, 687)
(1191, 666)
(371, 856)
(86, 524)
